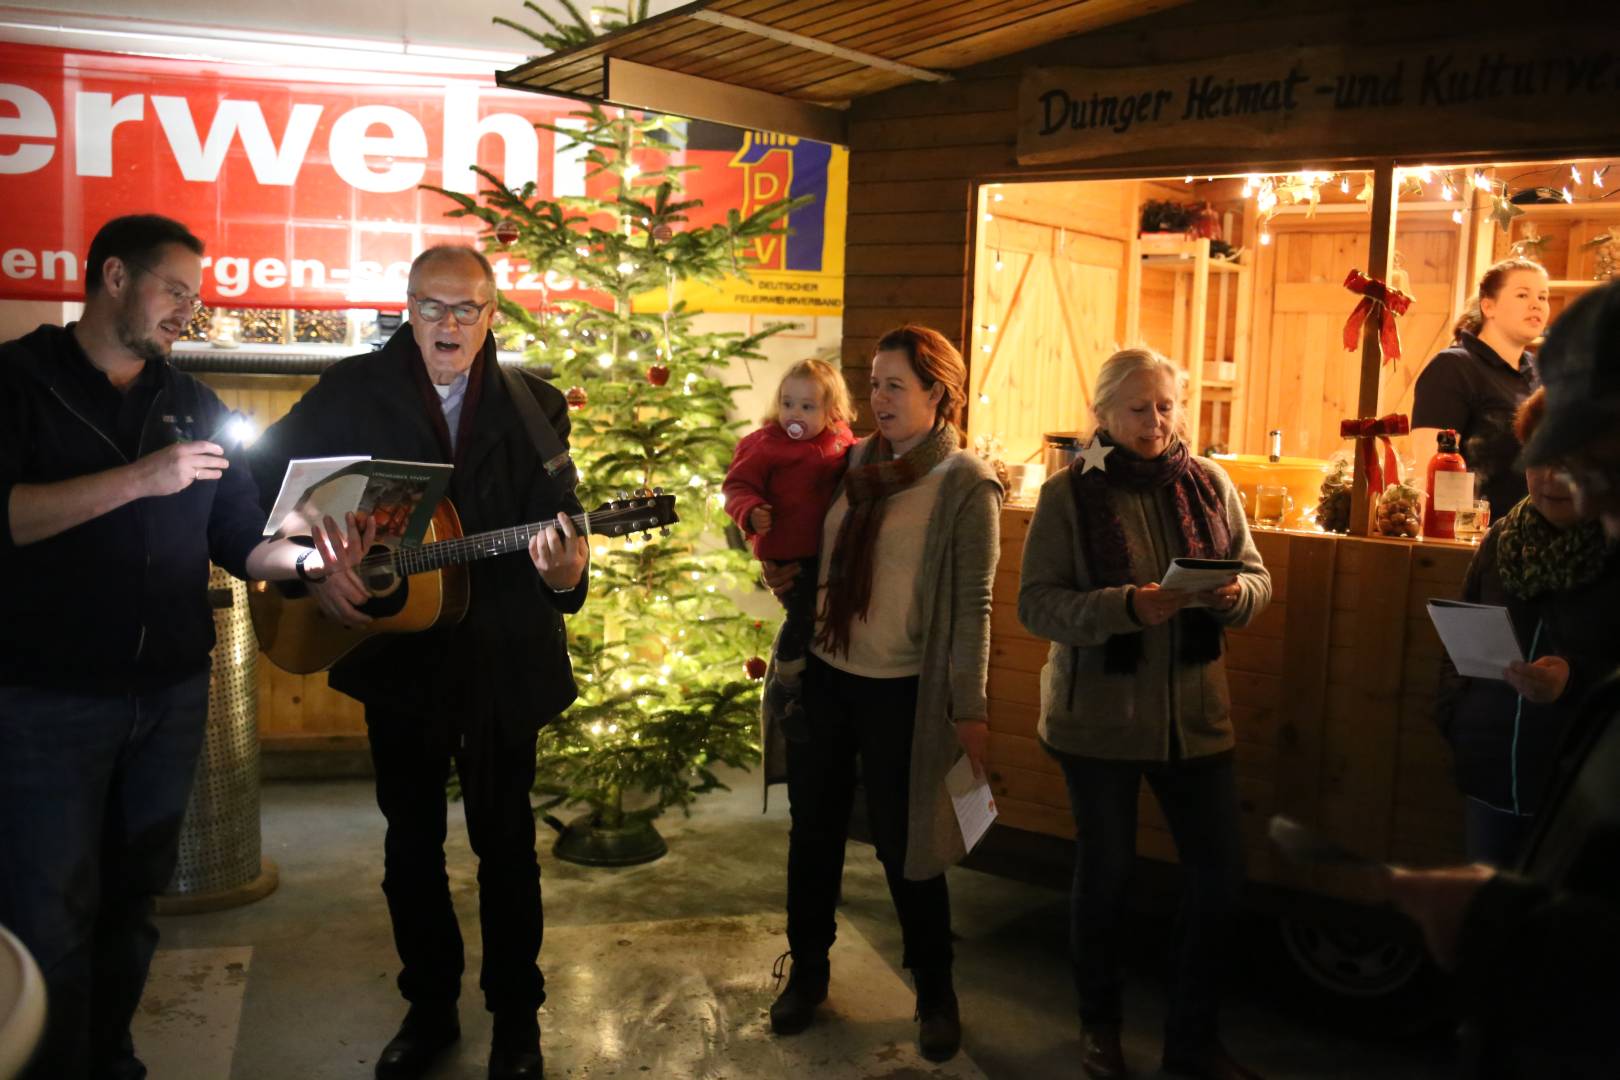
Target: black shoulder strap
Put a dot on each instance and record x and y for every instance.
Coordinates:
(553, 453)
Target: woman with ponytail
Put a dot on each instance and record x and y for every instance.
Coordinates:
(1477, 384)
(895, 678)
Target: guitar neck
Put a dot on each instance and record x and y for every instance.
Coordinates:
(484, 545)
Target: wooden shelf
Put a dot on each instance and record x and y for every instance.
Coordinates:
(1590, 208)
(1187, 264)
(1573, 286)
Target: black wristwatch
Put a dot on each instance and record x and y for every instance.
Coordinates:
(303, 575)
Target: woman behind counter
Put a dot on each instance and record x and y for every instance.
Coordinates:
(1477, 384)
(1560, 582)
(1134, 687)
(895, 677)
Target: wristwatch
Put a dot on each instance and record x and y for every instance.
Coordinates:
(304, 575)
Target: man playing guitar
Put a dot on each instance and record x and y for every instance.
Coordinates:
(476, 693)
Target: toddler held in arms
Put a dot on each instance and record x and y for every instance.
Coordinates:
(777, 490)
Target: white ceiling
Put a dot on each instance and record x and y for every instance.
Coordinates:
(396, 35)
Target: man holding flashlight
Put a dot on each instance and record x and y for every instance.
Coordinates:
(116, 494)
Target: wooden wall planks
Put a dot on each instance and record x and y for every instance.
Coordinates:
(295, 711)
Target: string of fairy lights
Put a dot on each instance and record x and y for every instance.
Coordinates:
(1273, 192)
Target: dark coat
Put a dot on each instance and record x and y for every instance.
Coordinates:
(1472, 390)
(118, 604)
(1539, 949)
(1504, 751)
(506, 663)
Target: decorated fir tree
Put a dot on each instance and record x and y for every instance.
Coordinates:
(667, 663)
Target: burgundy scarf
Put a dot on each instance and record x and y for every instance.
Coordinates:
(1200, 525)
(868, 487)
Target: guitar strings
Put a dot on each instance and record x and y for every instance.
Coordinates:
(442, 552)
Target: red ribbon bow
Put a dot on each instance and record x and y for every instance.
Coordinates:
(1380, 303)
(1370, 431)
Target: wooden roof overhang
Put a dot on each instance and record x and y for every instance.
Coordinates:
(793, 66)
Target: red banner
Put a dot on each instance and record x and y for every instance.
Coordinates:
(303, 184)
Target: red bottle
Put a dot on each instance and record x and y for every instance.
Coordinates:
(1440, 524)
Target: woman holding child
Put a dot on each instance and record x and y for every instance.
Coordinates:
(895, 676)
(1134, 688)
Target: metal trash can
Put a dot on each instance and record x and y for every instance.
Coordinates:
(221, 865)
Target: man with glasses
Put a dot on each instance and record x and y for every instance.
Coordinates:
(475, 694)
(1537, 951)
(115, 494)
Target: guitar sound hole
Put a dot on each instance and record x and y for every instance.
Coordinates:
(388, 603)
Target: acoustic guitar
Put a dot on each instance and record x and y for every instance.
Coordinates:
(420, 587)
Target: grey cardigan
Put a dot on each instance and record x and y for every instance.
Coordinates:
(953, 606)
(1127, 717)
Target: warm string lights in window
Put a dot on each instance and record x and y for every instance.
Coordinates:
(1273, 192)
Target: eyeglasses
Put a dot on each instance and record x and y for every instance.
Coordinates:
(181, 294)
(432, 311)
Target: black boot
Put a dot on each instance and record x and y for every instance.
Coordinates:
(514, 1052)
(939, 1031)
(426, 1032)
(795, 1007)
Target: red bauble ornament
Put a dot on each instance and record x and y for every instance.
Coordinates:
(577, 398)
(662, 233)
(658, 374)
(755, 667)
(507, 232)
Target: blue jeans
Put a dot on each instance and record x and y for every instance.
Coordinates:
(92, 793)
(1199, 800)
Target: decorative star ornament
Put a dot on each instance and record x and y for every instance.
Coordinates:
(1092, 456)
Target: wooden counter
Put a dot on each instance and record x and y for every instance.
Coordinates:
(1332, 691)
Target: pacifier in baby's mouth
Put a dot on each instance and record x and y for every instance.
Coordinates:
(795, 429)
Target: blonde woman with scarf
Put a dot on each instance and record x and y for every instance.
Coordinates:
(895, 678)
(1135, 688)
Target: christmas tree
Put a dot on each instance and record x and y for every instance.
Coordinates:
(667, 663)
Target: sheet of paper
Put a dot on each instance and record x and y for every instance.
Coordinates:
(1453, 491)
(1199, 575)
(1479, 638)
(303, 474)
(975, 805)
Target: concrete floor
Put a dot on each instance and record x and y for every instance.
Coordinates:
(663, 970)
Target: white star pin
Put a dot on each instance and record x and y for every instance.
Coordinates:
(1092, 456)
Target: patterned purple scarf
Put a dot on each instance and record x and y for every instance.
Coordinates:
(1200, 525)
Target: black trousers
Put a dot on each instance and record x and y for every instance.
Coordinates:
(412, 766)
(800, 624)
(870, 720)
(1199, 799)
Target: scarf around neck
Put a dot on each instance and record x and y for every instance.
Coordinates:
(1199, 523)
(1534, 556)
(868, 487)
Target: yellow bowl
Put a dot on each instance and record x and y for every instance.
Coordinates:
(1302, 477)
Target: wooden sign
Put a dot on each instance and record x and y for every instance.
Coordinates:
(1558, 92)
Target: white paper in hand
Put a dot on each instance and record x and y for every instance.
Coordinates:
(975, 805)
(1199, 575)
(1479, 638)
(302, 475)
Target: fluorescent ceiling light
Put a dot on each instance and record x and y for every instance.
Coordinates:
(153, 37)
